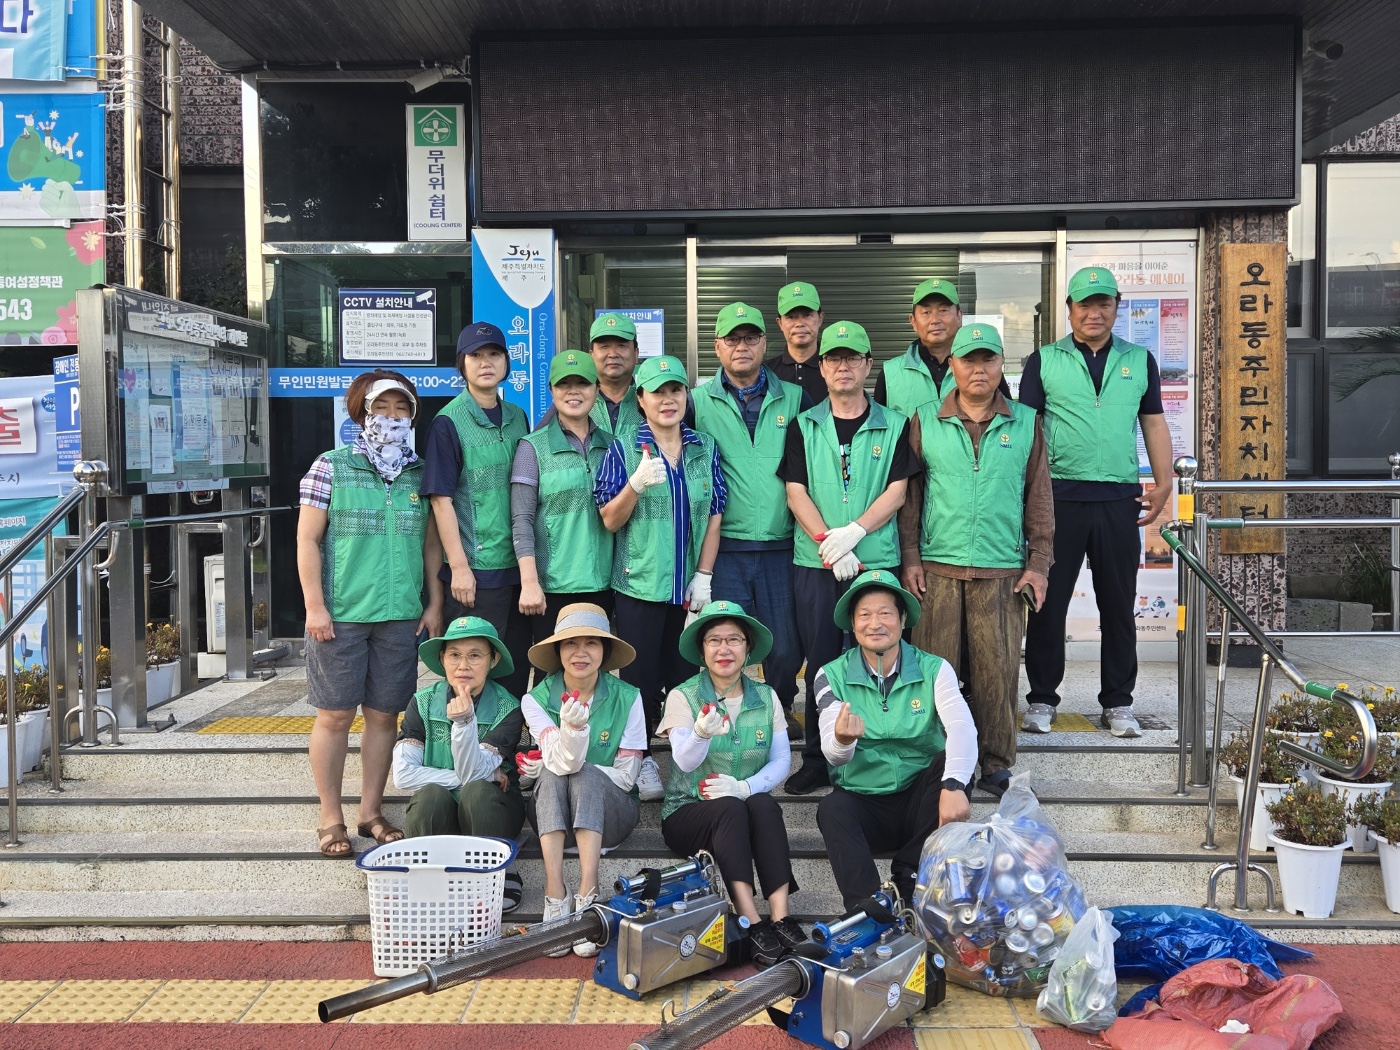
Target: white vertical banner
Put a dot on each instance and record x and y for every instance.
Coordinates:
(437, 173)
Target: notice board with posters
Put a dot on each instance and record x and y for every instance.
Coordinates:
(1157, 280)
(174, 396)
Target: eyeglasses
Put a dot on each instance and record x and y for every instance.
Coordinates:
(473, 658)
(752, 339)
(729, 641)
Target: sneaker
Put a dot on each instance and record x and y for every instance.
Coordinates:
(557, 909)
(794, 727)
(790, 932)
(1038, 718)
(809, 778)
(1120, 721)
(584, 949)
(514, 892)
(765, 946)
(995, 783)
(649, 787)
(904, 883)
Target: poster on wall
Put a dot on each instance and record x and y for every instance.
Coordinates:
(17, 517)
(513, 287)
(41, 270)
(651, 328)
(54, 157)
(437, 173)
(388, 326)
(33, 39)
(28, 441)
(1157, 281)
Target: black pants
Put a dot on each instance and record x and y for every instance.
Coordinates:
(500, 607)
(855, 827)
(738, 833)
(1107, 533)
(654, 630)
(541, 627)
(815, 593)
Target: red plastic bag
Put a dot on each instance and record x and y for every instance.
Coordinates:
(1282, 1015)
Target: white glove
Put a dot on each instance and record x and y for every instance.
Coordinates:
(574, 715)
(697, 595)
(722, 785)
(847, 567)
(650, 471)
(710, 721)
(839, 542)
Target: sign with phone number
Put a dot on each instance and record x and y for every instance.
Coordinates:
(333, 382)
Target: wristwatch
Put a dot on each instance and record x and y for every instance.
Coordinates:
(954, 785)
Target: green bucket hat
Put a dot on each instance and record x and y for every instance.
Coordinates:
(799, 293)
(844, 335)
(978, 336)
(690, 637)
(734, 315)
(935, 286)
(656, 372)
(875, 578)
(1092, 280)
(430, 652)
(572, 363)
(615, 325)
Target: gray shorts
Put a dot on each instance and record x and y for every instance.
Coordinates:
(373, 665)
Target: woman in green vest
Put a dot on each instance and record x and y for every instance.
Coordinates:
(590, 733)
(456, 751)
(365, 545)
(564, 551)
(729, 750)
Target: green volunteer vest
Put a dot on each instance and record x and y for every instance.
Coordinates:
(841, 502)
(903, 732)
(608, 713)
(1090, 435)
(372, 553)
(492, 706)
(909, 385)
(573, 551)
(757, 507)
(645, 550)
(740, 753)
(482, 499)
(973, 505)
(629, 413)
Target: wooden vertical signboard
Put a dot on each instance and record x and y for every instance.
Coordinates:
(1253, 339)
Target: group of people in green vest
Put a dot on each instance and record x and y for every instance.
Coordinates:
(647, 542)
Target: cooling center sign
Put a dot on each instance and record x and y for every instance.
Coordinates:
(437, 173)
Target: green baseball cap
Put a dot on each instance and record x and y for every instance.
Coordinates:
(875, 578)
(656, 372)
(430, 652)
(799, 293)
(844, 335)
(935, 286)
(572, 363)
(978, 336)
(734, 315)
(691, 636)
(1092, 280)
(612, 325)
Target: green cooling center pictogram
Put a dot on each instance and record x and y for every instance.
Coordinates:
(434, 127)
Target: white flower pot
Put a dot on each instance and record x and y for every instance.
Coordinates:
(21, 728)
(1262, 826)
(1350, 792)
(1390, 870)
(1308, 740)
(36, 741)
(160, 683)
(1308, 876)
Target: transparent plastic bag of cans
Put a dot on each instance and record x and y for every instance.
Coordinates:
(1082, 991)
(996, 898)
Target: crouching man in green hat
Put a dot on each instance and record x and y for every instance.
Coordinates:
(456, 750)
(898, 736)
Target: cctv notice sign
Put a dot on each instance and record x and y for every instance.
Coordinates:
(388, 326)
(437, 174)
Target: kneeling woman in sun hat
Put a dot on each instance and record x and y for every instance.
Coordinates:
(590, 732)
(729, 749)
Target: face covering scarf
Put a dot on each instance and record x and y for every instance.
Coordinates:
(386, 444)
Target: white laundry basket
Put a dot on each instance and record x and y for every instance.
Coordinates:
(431, 895)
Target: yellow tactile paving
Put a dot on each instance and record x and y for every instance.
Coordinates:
(1027, 1015)
(18, 996)
(972, 1039)
(294, 1002)
(1067, 722)
(549, 1001)
(90, 1001)
(200, 1002)
(964, 1008)
(271, 725)
(598, 1005)
(444, 1007)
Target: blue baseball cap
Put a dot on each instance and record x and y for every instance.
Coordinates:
(478, 334)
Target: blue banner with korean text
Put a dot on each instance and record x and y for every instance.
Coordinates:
(33, 39)
(513, 287)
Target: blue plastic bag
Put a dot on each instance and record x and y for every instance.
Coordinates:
(1161, 940)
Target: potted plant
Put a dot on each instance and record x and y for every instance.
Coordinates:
(32, 704)
(1276, 769)
(1346, 747)
(1310, 833)
(1298, 716)
(1380, 814)
(162, 659)
(1385, 709)
(21, 730)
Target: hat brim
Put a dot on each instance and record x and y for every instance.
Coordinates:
(654, 383)
(690, 637)
(842, 613)
(1080, 294)
(430, 652)
(723, 328)
(544, 656)
(964, 351)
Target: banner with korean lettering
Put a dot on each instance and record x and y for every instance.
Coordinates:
(1158, 310)
(17, 517)
(55, 157)
(1253, 342)
(81, 58)
(513, 287)
(28, 441)
(33, 39)
(437, 173)
(41, 270)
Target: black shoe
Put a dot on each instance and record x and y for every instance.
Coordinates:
(809, 778)
(904, 885)
(995, 783)
(790, 932)
(514, 892)
(794, 727)
(765, 946)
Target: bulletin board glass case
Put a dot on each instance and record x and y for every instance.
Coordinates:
(173, 396)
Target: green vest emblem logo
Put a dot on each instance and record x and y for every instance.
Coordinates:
(782, 420)
(1127, 372)
(434, 127)
(1006, 441)
(875, 451)
(916, 704)
(603, 736)
(758, 735)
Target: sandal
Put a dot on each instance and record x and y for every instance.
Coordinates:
(513, 893)
(380, 830)
(334, 836)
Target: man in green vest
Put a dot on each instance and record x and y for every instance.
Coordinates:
(900, 739)
(466, 476)
(920, 375)
(846, 465)
(976, 534)
(1094, 391)
(747, 409)
(800, 320)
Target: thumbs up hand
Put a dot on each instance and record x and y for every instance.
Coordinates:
(850, 727)
(650, 471)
